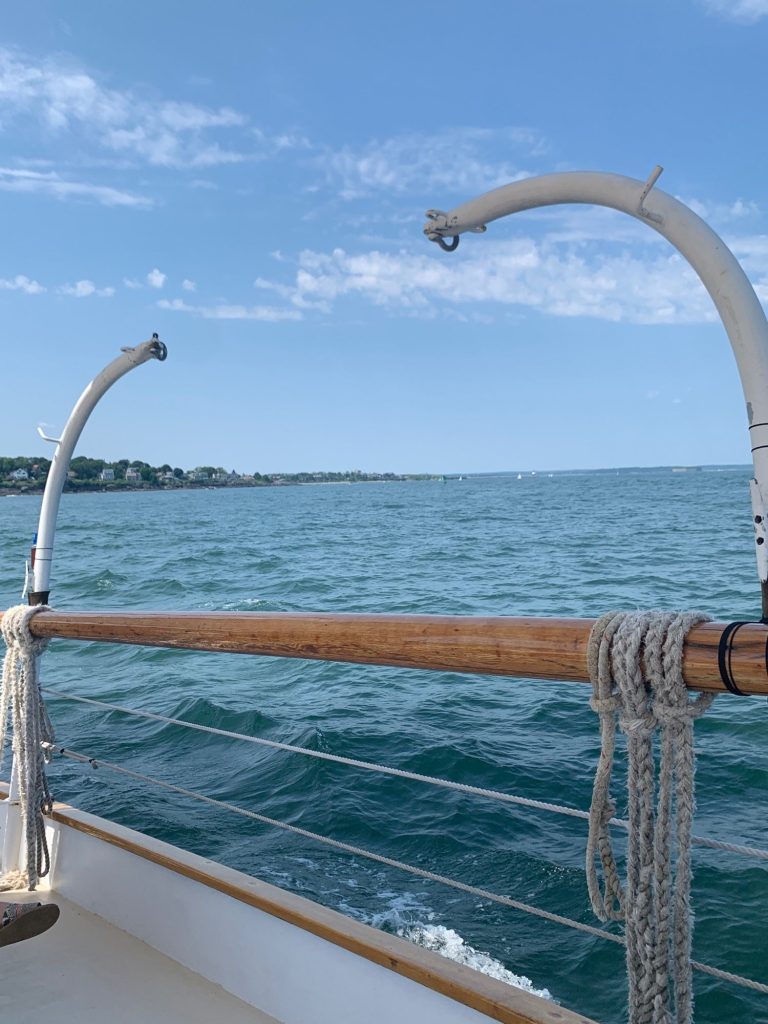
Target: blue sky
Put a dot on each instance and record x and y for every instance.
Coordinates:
(250, 180)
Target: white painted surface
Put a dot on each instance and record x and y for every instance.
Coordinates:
(86, 971)
(287, 972)
(57, 475)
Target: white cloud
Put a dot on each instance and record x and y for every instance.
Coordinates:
(64, 98)
(84, 289)
(550, 277)
(584, 264)
(156, 278)
(287, 140)
(722, 213)
(751, 250)
(268, 314)
(130, 125)
(22, 283)
(188, 286)
(131, 282)
(453, 161)
(747, 12)
(50, 183)
(752, 253)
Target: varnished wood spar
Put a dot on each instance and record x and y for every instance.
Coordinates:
(536, 648)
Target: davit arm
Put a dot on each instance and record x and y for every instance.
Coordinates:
(718, 269)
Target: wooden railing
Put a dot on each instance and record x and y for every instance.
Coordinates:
(534, 648)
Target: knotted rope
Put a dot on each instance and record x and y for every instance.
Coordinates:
(21, 700)
(636, 665)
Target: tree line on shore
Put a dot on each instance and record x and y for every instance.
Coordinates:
(23, 473)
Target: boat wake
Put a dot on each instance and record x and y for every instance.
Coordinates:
(402, 918)
(449, 943)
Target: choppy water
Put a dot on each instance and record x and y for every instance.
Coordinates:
(570, 544)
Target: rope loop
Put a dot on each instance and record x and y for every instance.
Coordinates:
(644, 726)
(636, 666)
(16, 634)
(22, 702)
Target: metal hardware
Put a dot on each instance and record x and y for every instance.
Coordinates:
(53, 440)
(652, 179)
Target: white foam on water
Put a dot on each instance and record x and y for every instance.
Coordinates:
(449, 943)
(403, 910)
(409, 916)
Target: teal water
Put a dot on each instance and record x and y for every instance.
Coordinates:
(569, 544)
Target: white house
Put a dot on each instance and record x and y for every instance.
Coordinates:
(132, 475)
(107, 474)
(19, 474)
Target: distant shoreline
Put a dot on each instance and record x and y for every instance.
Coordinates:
(21, 492)
(80, 487)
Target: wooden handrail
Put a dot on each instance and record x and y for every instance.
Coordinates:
(535, 648)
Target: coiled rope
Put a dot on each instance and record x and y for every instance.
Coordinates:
(636, 666)
(22, 702)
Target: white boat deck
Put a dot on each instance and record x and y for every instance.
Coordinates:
(153, 933)
(87, 971)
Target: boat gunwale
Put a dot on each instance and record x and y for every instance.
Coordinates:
(494, 998)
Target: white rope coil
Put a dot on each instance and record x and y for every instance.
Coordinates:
(635, 663)
(21, 700)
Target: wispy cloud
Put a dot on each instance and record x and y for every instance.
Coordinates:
(52, 184)
(156, 278)
(64, 99)
(85, 289)
(282, 141)
(747, 12)
(268, 314)
(451, 161)
(188, 286)
(21, 283)
(164, 133)
(571, 262)
(549, 277)
(723, 213)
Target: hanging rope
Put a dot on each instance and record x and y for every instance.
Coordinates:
(636, 666)
(21, 700)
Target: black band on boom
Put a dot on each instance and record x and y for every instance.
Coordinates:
(724, 651)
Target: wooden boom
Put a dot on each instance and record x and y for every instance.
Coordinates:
(535, 648)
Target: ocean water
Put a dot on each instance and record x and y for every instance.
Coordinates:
(566, 544)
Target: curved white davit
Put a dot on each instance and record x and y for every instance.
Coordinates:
(719, 270)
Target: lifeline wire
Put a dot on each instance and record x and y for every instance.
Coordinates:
(401, 773)
(715, 972)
